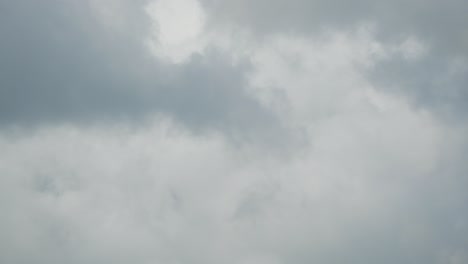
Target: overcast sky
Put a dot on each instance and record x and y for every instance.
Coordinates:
(233, 131)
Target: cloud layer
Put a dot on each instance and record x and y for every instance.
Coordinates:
(238, 132)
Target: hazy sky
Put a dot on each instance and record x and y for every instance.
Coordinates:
(233, 131)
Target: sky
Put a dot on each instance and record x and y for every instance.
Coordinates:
(233, 131)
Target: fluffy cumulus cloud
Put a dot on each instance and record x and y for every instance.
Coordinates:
(237, 132)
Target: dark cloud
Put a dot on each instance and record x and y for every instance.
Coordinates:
(440, 22)
(61, 63)
(434, 82)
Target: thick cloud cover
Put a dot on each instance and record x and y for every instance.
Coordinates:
(266, 132)
(438, 80)
(87, 62)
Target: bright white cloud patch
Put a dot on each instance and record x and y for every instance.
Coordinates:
(178, 27)
(316, 77)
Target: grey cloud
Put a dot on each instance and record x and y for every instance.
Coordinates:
(434, 82)
(439, 24)
(60, 63)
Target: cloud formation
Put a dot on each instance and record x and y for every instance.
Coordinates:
(233, 132)
(439, 25)
(88, 62)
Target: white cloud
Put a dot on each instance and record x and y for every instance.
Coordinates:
(160, 194)
(178, 27)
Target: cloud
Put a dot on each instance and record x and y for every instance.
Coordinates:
(160, 194)
(233, 132)
(433, 20)
(178, 26)
(70, 62)
(437, 25)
